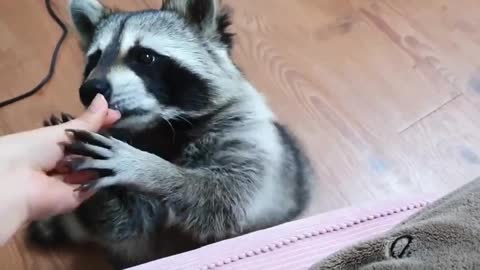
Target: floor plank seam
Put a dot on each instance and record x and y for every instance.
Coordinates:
(430, 113)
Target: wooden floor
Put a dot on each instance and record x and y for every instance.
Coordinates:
(384, 94)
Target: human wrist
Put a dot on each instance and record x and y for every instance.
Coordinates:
(13, 204)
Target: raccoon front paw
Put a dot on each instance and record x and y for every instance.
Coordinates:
(114, 161)
(54, 120)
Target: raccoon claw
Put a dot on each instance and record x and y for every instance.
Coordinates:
(66, 117)
(104, 156)
(114, 162)
(89, 138)
(54, 120)
(86, 187)
(82, 149)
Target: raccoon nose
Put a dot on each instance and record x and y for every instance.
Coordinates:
(91, 88)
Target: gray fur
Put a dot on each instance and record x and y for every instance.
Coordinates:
(176, 176)
(86, 14)
(444, 235)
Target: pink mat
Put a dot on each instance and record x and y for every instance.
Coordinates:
(295, 245)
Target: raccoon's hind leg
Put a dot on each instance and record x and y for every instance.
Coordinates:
(55, 231)
(54, 120)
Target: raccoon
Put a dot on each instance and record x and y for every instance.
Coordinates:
(197, 157)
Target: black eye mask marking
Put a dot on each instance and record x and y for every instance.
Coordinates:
(92, 62)
(171, 83)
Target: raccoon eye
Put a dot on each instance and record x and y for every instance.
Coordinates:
(146, 58)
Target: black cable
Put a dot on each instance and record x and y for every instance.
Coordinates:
(53, 62)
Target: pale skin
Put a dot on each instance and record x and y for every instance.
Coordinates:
(28, 188)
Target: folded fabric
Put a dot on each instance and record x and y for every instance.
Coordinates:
(297, 244)
(445, 235)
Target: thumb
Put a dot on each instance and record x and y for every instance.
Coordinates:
(93, 118)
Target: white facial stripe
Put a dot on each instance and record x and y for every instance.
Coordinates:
(141, 122)
(101, 42)
(92, 50)
(128, 90)
(130, 93)
(136, 123)
(128, 41)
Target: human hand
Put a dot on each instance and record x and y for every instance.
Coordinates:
(27, 191)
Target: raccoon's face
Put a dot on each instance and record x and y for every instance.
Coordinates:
(158, 64)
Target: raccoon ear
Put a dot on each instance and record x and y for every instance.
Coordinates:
(86, 14)
(203, 13)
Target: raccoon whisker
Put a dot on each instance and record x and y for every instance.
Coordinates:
(184, 119)
(173, 130)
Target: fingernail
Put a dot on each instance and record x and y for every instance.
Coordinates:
(114, 113)
(96, 105)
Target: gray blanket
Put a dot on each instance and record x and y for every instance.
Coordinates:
(445, 235)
